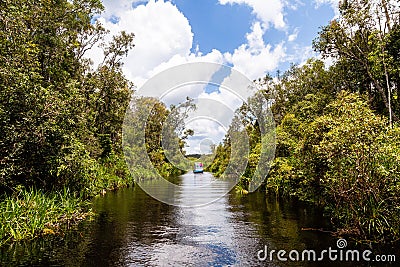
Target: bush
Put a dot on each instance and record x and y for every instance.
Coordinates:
(347, 160)
(353, 158)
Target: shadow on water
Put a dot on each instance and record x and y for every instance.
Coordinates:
(133, 229)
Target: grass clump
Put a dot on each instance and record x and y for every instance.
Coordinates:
(28, 213)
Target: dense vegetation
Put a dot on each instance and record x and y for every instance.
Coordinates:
(338, 135)
(154, 137)
(60, 118)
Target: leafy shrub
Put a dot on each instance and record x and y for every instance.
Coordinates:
(347, 160)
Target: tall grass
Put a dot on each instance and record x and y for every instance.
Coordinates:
(29, 213)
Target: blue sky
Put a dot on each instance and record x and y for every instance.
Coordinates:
(255, 37)
(224, 27)
(216, 26)
(269, 34)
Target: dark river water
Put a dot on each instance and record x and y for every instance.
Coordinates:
(133, 229)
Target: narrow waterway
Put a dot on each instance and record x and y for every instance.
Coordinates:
(133, 229)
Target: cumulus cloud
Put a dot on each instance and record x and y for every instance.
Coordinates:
(214, 56)
(164, 38)
(255, 58)
(206, 132)
(225, 100)
(333, 3)
(301, 54)
(294, 4)
(269, 13)
(114, 7)
(292, 37)
(211, 119)
(162, 32)
(162, 35)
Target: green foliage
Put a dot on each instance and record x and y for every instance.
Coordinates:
(333, 148)
(302, 90)
(109, 173)
(56, 115)
(353, 149)
(294, 85)
(60, 120)
(346, 160)
(29, 213)
(248, 148)
(349, 153)
(154, 137)
(109, 101)
(281, 178)
(221, 159)
(362, 41)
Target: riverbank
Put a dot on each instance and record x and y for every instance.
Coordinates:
(134, 229)
(343, 158)
(27, 213)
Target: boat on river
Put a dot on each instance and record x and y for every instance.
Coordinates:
(198, 167)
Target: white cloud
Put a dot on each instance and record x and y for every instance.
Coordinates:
(162, 35)
(333, 3)
(294, 4)
(164, 38)
(300, 54)
(214, 56)
(115, 7)
(268, 12)
(256, 58)
(292, 37)
(212, 117)
(204, 129)
(225, 101)
(161, 31)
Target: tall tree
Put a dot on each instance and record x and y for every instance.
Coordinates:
(47, 90)
(358, 39)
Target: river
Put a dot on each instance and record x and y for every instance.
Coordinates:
(133, 229)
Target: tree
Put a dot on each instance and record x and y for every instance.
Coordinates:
(51, 103)
(152, 138)
(358, 39)
(348, 156)
(111, 94)
(296, 83)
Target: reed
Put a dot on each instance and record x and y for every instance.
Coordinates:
(29, 213)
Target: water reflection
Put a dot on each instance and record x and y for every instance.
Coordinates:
(194, 190)
(133, 229)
